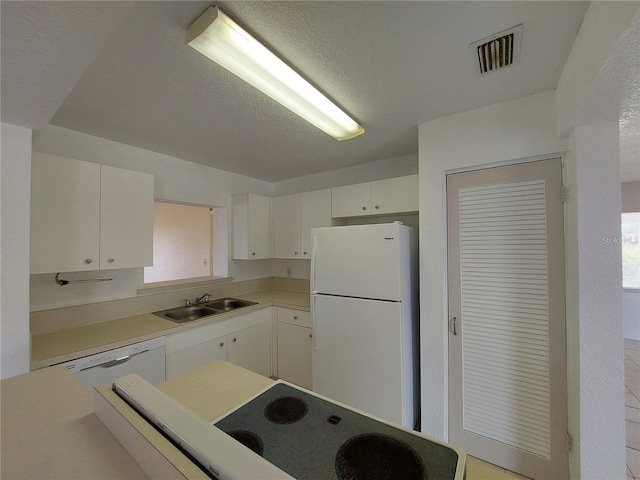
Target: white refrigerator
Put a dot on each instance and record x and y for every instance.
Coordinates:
(364, 307)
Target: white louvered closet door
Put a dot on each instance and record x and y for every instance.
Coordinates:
(507, 352)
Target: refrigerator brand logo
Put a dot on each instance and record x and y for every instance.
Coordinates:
(388, 238)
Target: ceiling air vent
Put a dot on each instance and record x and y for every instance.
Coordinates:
(497, 51)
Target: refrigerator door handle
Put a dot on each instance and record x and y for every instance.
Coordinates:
(314, 252)
(313, 323)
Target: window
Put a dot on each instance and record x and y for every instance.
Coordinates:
(183, 241)
(631, 250)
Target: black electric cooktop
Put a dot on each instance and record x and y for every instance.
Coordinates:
(312, 438)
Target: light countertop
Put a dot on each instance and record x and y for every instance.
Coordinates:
(71, 343)
(49, 431)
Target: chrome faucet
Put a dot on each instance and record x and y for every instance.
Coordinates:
(203, 299)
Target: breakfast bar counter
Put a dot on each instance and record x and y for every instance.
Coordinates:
(49, 431)
(49, 428)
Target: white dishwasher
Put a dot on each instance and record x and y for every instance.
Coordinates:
(146, 359)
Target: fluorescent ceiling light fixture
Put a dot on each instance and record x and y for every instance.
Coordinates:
(222, 40)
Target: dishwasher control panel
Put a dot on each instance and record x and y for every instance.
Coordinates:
(115, 355)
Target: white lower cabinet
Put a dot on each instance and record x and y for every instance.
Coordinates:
(251, 348)
(294, 346)
(190, 358)
(244, 340)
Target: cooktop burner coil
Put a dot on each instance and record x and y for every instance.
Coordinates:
(249, 440)
(285, 410)
(373, 456)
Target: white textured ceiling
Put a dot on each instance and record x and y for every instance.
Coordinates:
(121, 70)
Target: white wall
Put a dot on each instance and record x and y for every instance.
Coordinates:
(594, 303)
(582, 93)
(506, 131)
(15, 201)
(175, 180)
(598, 86)
(368, 172)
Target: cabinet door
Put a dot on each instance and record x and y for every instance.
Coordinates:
(251, 226)
(286, 226)
(395, 195)
(315, 211)
(294, 354)
(126, 218)
(190, 358)
(259, 224)
(65, 215)
(351, 200)
(251, 348)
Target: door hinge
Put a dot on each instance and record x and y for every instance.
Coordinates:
(563, 194)
(569, 442)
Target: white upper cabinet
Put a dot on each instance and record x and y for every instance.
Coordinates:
(315, 211)
(293, 218)
(286, 226)
(392, 195)
(395, 195)
(84, 214)
(351, 200)
(126, 218)
(251, 219)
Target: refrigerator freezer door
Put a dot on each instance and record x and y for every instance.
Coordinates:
(365, 261)
(359, 357)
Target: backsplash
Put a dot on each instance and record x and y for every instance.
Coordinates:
(76, 316)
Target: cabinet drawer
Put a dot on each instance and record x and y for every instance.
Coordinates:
(294, 317)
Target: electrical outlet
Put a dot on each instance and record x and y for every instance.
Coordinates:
(204, 262)
(288, 271)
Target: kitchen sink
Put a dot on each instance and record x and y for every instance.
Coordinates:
(186, 314)
(227, 304)
(189, 313)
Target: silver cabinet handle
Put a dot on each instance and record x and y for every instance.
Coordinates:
(310, 335)
(295, 253)
(364, 208)
(305, 253)
(234, 340)
(377, 207)
(295, 317)
(221, 344)
(110, 260)
(88, 260)
(453, 326)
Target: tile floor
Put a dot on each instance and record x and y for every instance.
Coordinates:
(632, 406)
(479, 470)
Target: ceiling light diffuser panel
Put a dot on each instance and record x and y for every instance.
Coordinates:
(222, 40)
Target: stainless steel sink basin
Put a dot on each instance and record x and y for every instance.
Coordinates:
(194, 312)
(186, 314)
(227, 304)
